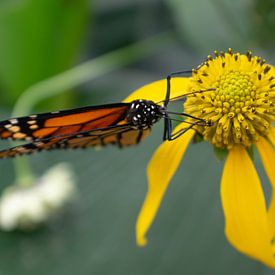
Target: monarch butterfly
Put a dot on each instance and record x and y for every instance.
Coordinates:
(119, 123)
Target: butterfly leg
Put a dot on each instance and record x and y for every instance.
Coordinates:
(180, 132)
(168, 78)
(173, 136)
(167, 128)
(167, 122)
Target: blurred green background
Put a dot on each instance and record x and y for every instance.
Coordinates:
(95, 235)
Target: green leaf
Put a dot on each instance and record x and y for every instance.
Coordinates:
(38, 39)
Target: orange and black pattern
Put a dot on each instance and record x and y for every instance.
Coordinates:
(75, 128)
(66, 122)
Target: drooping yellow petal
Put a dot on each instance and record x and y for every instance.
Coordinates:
(271, 136)
(156, 91)
(246, 222)
(271, 213)
(161, 169)
(267, 154)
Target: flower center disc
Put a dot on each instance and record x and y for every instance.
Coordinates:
(233, 91)
(237, 96)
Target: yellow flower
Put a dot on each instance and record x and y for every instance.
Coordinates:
(239, 101)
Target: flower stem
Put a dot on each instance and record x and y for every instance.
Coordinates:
(23, 172)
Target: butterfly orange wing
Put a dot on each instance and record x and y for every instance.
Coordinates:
(65, 122)
(76, 128)
(121, 136)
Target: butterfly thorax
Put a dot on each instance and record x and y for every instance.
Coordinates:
(144, 113)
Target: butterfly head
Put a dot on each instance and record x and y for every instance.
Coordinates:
(144, 113)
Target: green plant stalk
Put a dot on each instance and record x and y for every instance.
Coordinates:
(76, 76)
(23, 172)
(88, 71)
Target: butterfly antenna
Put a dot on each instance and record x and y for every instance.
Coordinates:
(184, 95)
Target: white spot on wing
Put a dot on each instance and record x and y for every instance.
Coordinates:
(13, 121)
(31, 121)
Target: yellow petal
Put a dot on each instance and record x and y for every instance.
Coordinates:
(267, 154)
(271, 213)
(246, 222)
(156, 91)
(271, 136)
(161, 169)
